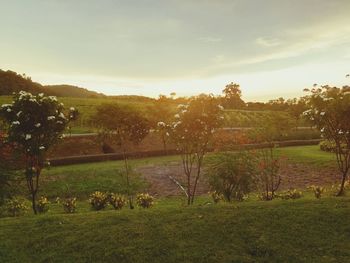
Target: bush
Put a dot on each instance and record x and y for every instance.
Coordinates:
(266, 196)
(98, 200)
(16, 206)
(230, 174)
(144, 200)
(43, 205)
(216, 196)
(318, 190)
(117, 201)
(329, 146)
(290, 194)
(69, 205)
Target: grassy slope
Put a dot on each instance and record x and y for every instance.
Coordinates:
(277, 231)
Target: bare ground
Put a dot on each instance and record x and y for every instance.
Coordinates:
(294, 175)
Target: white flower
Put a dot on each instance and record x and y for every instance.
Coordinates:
(41, 95)
(161, 124)
(322, 113)
(307, 112)
(53, 98)
(19, 113)
(37, 125)
(177, 116)
(6, 105)
(220, 107)
(51, 118)
(8, 110)
(167, 134)
(16, 123)
(62, 115)
(28, 137)
(42, 148)
(72, 109)
(322, 130)
(59, 122)
(340, 132)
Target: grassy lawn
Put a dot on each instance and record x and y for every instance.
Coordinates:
(303, 230)
(308, 154)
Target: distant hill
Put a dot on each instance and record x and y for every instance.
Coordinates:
(11, 81)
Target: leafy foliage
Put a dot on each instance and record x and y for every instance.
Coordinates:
(117, 201)
(231, 174)
(69, 205)
(43, 204)
(329, 110)
(98, 200)
(35, 123)
(145, 200)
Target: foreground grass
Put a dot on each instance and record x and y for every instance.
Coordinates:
(302, 230)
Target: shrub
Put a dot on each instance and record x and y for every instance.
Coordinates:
(69, 205)
(117, 201)
(290, 194)
(266, 196)
(43, 204)
(231, 174)
(318, 190)
(98, 200)
(144, 200)
(16, 206)
(217, 197)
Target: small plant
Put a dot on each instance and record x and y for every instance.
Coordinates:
(43, 205)
(98, 200)
(69, 205)
(117, 201)
(290, 194)
(144, 200)
(318, 190)
(266, 196)
(217, 197)
(16, 206)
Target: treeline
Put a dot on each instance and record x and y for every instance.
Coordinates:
(11, 81)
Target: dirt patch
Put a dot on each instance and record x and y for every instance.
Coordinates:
(162, 184)
(294, 175)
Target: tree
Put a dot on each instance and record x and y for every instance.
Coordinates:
(295, 108)
(329, 110)
(232, 96)
(192, 133)
(267, 175)
(122, 124)
(35, 124)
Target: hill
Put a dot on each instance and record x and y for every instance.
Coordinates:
(11, 81)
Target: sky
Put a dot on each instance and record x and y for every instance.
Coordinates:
(271, 48)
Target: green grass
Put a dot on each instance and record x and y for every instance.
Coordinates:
(311, 155)
(302, 230)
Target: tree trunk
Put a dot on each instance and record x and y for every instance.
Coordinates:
(34, 202)
(341, 190)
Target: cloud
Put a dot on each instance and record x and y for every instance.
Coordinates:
(267, 42)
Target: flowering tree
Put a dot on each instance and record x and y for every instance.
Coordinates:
(329, 110)
(123, 125)
(192, 133)
(35, 123)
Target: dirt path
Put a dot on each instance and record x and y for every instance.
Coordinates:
(294, 175)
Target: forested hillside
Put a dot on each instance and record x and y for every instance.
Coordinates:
(11, 81)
